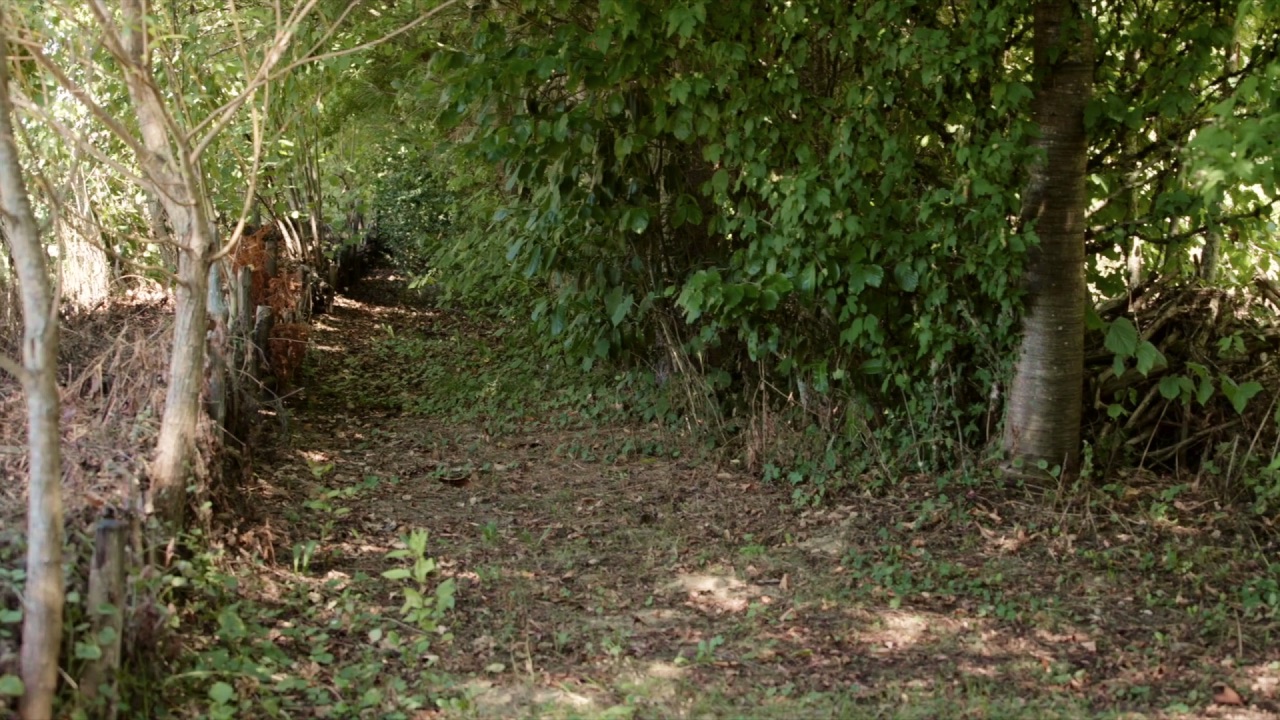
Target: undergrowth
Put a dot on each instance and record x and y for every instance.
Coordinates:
(263, 640)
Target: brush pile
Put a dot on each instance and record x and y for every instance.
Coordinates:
(281, 285)
(1208, 400)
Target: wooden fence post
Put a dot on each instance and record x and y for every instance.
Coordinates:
(105, 602)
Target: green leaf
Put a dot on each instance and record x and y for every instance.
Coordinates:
(907, 277)
(679, 90)
(1172, 386)
(1122, 337)
(396, 574)
(1149, 357)
(1246, 393)
(1204, 391)
(222, 693)
(617, 305)
(88, 651)
(769, 299)
(808, 278)
(638, 220)
(230, 625)
(1239, 395)
(11, 686)
(107, 635)
(720, 181)
(862, 276)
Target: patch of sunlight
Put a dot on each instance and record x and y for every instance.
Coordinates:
(665, 670)
(560, 696)
(315, 456)
(657, 681)
(328, 348)
(661, 616)
(1265, 680)
(724, 592)
(350, 549)
(830, 545)
(975, 668)
(907, 627)
(892, 631)
(491, 699)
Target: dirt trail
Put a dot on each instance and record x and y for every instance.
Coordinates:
(602, 570)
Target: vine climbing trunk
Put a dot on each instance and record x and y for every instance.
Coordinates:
(43, 596)
(1042, 426)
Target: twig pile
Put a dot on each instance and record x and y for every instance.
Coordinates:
(1208, 336)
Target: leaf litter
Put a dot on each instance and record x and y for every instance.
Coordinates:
(594, 582)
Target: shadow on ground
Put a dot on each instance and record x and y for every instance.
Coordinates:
(606, 569)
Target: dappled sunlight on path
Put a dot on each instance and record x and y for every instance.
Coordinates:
(607, 570)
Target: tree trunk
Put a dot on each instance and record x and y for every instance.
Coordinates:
(43, 597)
(1042, 427)
(175, 447)
(175, 174)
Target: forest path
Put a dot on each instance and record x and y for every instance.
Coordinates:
(603, 569)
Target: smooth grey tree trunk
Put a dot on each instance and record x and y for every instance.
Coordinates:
(1042, 426)
(43, 596)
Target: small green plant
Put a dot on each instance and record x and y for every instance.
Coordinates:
(424, 608)
(707, 649)
(1054, 471)
(751, 549)
(561, 640)
(1265, 484)
(302, 555)
(319, 470)
(1260, 596)
(613, 647)
(222, 701)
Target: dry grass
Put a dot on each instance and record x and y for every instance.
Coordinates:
(112, 374)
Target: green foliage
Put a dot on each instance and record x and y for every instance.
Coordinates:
(246, 655)
(412, 208)
(773, 188)
(1124, 341)
(424, 607)
(707, 650)
(1181, 119)
(11, 686)
(1264, 484)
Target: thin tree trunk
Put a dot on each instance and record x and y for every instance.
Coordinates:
(44, 595)
(1211, 253)
(1043, 422)
(160, 232)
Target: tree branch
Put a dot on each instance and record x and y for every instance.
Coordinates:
(1096, 247)
(218, 120)
(14, 368)
(33, 110)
